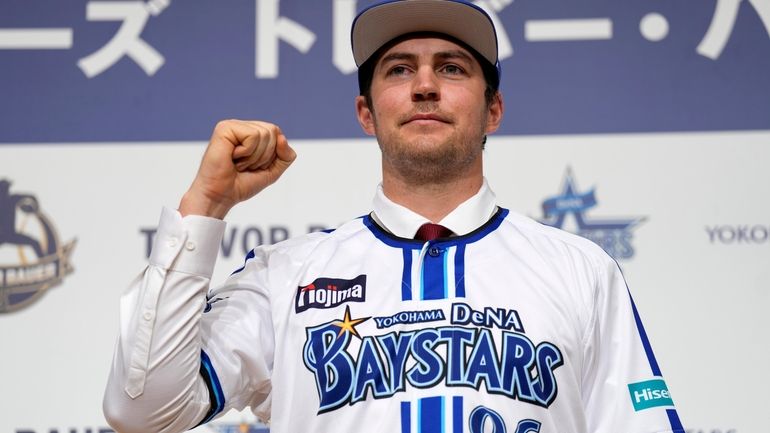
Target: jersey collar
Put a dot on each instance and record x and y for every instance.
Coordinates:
(465, 218)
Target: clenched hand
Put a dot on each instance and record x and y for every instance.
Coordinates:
(242, 159)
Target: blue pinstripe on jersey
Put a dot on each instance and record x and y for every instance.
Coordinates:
(457, 415)
(406, 276)
(673, 417)
(216, 394)
(249, 256)
(460, 271)
(406, 417)
(433, 276)
(431, 415)
(645, 341)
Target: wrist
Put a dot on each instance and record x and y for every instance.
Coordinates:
(193, 203)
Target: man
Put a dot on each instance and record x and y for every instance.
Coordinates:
(488, 322)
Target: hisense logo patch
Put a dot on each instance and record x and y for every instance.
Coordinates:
(649, 394)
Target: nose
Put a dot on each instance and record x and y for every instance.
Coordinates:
(425, 86)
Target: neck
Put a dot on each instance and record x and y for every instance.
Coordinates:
(435, 200)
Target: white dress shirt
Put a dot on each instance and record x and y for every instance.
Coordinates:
(465, 218)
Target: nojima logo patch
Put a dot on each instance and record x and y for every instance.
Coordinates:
(32, 259)
(650, 393)
(330, 292)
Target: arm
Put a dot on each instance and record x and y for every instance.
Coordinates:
(620, 367)
(160, 379)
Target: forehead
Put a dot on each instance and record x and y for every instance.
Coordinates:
(426, 46)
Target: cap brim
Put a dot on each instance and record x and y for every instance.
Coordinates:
(378, 25)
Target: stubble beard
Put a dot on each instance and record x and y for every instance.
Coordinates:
(425, 162)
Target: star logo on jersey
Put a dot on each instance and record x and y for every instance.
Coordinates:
(614, 235)
(349, 325)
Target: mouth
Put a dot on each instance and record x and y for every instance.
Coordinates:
(426, 118)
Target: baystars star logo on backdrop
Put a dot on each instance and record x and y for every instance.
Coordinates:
(613, 235)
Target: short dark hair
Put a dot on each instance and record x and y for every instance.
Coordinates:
(366, 70)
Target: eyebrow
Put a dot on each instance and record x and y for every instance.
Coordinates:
(442, 55)
(454, 54)
(397, 56)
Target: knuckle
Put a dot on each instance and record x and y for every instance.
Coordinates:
(224, 125)
(270, 128)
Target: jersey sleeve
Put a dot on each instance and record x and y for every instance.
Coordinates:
(623, 387)
(238, 340)
(176, 366)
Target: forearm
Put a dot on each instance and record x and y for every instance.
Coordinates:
(155, 384)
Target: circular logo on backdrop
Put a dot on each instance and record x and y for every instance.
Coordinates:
(32, 258)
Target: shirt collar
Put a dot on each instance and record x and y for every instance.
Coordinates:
(465, 218)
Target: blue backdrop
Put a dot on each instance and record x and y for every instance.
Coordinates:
(202, 66)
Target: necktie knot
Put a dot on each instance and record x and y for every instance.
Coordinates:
(430, 231)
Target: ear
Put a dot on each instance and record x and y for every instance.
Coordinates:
(495, 113)
(364, 115)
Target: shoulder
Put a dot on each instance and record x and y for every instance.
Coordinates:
(295, 252)
(555, 243)
(314, 240)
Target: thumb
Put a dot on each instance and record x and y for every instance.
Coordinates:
(283, 151)
(285, 156)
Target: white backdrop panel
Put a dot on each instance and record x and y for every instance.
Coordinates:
(702, 296)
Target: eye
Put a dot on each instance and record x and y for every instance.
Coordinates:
(452, 69)
(398, 70)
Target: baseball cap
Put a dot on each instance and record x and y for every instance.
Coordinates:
(379, 24)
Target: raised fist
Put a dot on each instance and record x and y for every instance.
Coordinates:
(242, 159)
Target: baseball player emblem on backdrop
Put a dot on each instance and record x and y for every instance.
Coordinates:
(32, 258)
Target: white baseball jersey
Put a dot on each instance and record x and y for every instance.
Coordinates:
(512, 327)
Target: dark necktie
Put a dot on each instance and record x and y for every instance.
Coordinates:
(430, 231)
